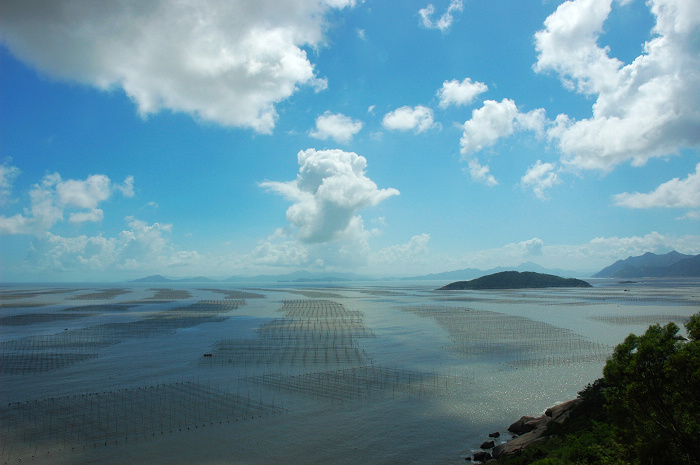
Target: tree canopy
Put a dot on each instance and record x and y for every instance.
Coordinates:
(653, 393)
(644, 410)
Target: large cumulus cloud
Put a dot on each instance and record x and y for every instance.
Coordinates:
(645, 109)
(329, 190)
(226, 61)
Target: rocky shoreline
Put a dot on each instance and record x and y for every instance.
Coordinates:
(526, 431)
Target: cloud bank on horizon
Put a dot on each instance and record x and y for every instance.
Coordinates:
(279, 77)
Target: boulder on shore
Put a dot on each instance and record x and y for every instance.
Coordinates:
(482, 456)
(487, 445)
(534, 428)
(522, 426)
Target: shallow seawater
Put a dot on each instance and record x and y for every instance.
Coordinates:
(363, 373)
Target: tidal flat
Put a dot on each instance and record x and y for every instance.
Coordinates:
(372, 372)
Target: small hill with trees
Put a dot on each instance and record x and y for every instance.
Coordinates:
(515, 280)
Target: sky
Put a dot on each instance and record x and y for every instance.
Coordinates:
(384, 138)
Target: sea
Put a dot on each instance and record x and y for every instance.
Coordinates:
(300, 373)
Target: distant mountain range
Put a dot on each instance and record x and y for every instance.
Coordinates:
(309, 277)
(650, 265)
(296, 277)
(672, 264)
(156, 278)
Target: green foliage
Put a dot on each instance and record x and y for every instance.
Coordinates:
(652, 394)
(645, 409)
(693, 327)
(588, 445)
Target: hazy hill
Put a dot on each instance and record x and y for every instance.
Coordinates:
(296, 277)
(300, 277)
(650, 265)
(156, 278)
(515, 280)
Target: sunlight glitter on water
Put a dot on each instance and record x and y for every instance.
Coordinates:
(359, 374)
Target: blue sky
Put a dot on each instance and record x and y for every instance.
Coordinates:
(225, 138)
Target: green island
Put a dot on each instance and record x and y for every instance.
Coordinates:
(515, 280)
(644, 410)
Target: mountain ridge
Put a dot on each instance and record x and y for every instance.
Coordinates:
(647, 265)
(651, 265)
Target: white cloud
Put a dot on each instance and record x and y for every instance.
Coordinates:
(141, 246)
(329, 190)
(481, 173)
(8, 173)
(623, 247)
(568, 45)
(676, 193)
(460, 93)
(184, 258)
(645, 109)
(532, 246)
(144, 243)
(226, 61)
(590, 256)
(127, 187)
(539, 177)
(691, 215)
(84, 194)
(406, 118)
(533, 121)
(603, 251)
(95, 215)
(402, 254)
(487, 125)
(445, 21)
(349, 249)
(493, 121)
(53, 196)
(57, 253)
(511, 254)
(288, 253)
(336, 126)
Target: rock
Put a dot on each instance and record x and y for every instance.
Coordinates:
(533, 428)
(516, 444)
(491, 462)
(521, 426)
(561, 411)
(482, 456)
(487, 445)
(494, 435)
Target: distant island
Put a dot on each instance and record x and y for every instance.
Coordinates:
(156, 278)
(515, 280)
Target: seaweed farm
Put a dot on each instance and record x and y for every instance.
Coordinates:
(365, 373)
(514, 340)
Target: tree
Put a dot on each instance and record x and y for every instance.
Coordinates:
(653, 393)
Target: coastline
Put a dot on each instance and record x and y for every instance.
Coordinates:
(526, 431)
